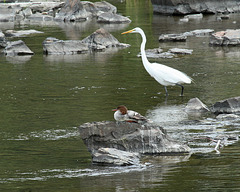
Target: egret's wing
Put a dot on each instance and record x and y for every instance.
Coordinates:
(169, 74)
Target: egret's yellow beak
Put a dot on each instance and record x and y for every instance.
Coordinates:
(130, 31)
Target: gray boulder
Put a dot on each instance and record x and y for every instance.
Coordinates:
(55, 46)
(14, 48)
(194, 105)
(101, 39)
(105, 7)
(131, 137)
(115, 157)
(231, 105)
(72, 11)
(223, 38)
(109, 17)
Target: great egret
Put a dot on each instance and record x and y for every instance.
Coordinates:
(161, 73)
(123, 114)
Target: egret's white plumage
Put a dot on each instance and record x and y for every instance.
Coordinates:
(161, 73)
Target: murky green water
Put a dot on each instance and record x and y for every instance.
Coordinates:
(43, 99)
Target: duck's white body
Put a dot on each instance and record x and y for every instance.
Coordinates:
(161, 73)
(123, 114)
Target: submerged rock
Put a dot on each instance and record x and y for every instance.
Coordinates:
(55, 46)
(131, 137)
(228, 37)
(14, 33)
(112, 18)
(101, 39)
(181, 51)
(17, 48)
(231, 105)
(115, 157)
(172, 37)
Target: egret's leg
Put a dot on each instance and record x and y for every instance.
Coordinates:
(182, 88)
(166, 90)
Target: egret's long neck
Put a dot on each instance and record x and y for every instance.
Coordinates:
(143, 53)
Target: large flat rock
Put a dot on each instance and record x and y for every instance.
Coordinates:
(131, 137)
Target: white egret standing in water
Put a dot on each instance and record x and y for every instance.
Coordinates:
(161, 73)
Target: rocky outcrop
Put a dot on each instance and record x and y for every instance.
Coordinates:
(231, 105)
(14, 48)
(97, 41)
(224, 38)
(70, 10)
(130, 137)
(101, 39)
(172, 7)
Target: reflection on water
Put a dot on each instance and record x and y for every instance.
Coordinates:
(46, 98)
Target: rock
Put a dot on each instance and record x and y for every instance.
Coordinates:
(14, 33)
(17, 48)
(157, 53)
(3, 42)
(172, 37)
(7, 14)
(227, 117)
(115, 157)
(231, 105)
(27, 12)
(105, 7)
(194, 16)
(181, 51)
(177, 7)
(183, 36)
(55, 46)
(194, 105)
(199, 32)
(101, 39)
(228, 37)
(73, 10)
(109, 17)
(40, 17)
(131, 137)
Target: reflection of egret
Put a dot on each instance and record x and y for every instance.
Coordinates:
(161, 73)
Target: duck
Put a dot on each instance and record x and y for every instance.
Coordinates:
(124, 115)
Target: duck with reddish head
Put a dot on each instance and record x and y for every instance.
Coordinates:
(123, 114)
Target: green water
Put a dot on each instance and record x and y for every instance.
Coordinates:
(43, 99)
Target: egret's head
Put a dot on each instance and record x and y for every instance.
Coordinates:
(135, 30)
